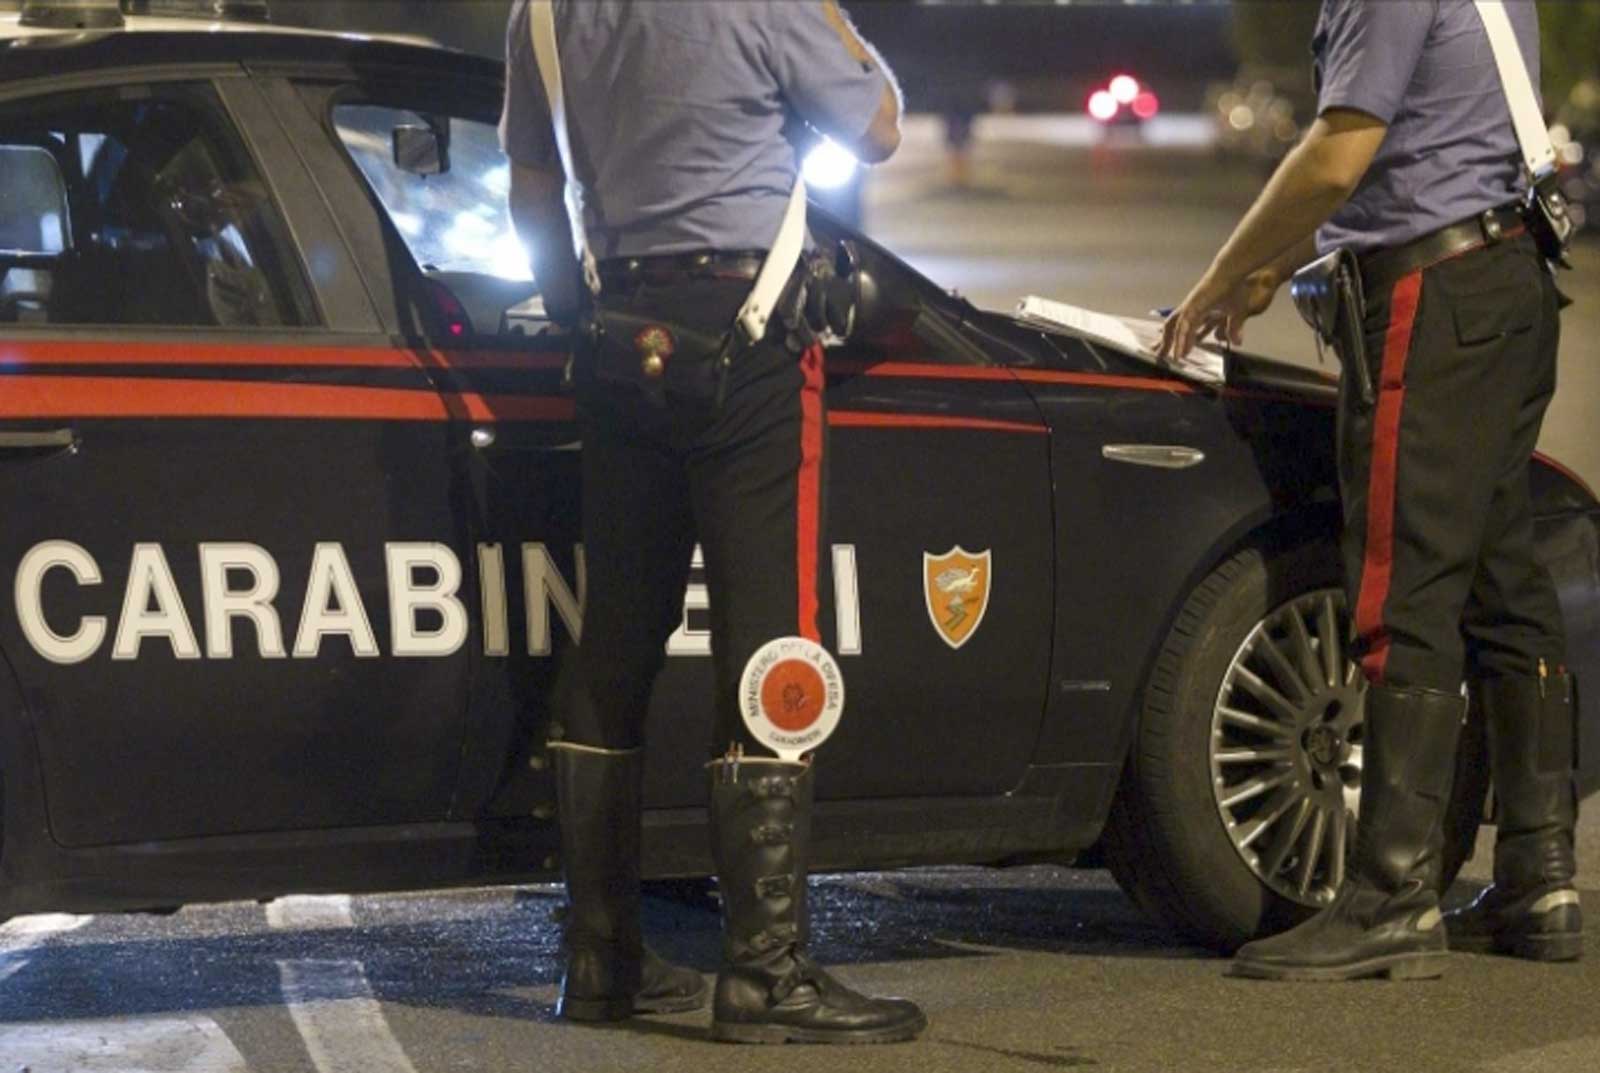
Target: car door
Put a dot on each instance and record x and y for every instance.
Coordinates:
(227, 490)
(457, 264)
(937, 595)
(942, 522)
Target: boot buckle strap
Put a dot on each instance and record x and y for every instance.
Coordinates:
(772, 787)
(769, 939)
(774, 886)
(800, 973)
(772, 834)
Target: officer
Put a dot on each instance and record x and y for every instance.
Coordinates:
(1413, 164)
(679, 120)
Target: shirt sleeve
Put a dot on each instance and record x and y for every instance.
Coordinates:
(1371, 52)
(525, 131)
(824, 84)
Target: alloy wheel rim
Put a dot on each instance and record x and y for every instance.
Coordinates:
(1285, 748)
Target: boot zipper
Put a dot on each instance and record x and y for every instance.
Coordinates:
(1544, 676)
(731, 761)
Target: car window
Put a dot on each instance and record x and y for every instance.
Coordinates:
(35, 200)
(455, 221)
(167, 219)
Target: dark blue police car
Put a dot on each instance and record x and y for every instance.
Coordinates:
(288, 482)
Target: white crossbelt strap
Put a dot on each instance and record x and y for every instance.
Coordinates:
(779, 265)
(1537, 152)
(786, 248)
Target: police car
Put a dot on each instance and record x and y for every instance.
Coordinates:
(288, 481)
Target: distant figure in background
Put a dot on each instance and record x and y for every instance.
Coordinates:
(958, 147)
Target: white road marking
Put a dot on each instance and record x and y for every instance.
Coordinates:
(192, 1044)
(28, 931)
(20, 935)
(341, 1022)
(331, 1002)
(301, 912)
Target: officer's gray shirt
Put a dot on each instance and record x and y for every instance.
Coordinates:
(1425, 68)
(679, 114)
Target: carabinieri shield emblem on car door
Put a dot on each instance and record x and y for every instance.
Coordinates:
(956, 585)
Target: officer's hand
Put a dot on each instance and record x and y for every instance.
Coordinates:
(1250, 298)
(1214, 307)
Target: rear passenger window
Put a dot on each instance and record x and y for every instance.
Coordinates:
(139, 206)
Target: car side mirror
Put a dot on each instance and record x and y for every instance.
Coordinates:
(420, 150)
(36, 221)
(865, 299)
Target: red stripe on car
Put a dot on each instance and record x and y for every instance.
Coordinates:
(931, 371)
(865, 419)
(25, 396)
(18, 353)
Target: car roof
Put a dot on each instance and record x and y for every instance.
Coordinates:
(29, 51)
(11, 27)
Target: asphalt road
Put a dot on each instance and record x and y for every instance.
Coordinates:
(1020, 970)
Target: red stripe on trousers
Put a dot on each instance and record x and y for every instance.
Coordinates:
(809, 493)
(1377, 567)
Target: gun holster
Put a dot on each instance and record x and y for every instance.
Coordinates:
(1548, 219)
(821, 301)
(1329, 296)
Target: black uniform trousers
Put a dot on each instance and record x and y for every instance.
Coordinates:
(1438, 527)
(744, 480)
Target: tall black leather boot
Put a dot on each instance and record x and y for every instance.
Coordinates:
(1385, 920)
(767, 990)
(1532, 908)
(610, 973)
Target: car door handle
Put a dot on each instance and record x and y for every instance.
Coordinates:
(56, 439)
(1160, 456)
(484, 438)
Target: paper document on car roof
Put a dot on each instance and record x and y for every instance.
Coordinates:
(1141, 338)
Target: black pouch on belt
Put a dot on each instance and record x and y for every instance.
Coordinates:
(1328, 294)
(653, 358)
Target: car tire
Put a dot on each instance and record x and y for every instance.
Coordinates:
(1171, 841)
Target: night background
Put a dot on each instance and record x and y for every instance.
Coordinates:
(1051, 52)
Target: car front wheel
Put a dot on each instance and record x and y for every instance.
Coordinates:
(1236, 816)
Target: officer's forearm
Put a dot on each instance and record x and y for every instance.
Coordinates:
(882, 138)
(539, 214)
(1292, 260)
(1297, 201)
(1310, 184)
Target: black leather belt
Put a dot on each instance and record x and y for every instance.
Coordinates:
(622, 272)
(1382, 269)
